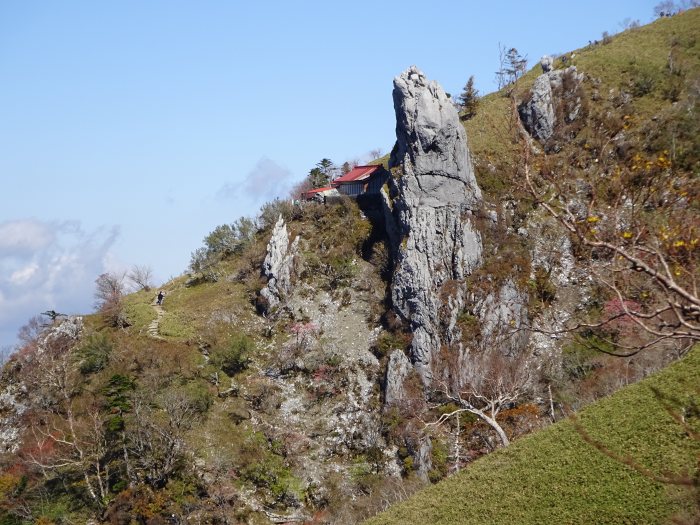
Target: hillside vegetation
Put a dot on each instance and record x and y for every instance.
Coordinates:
(630, 77)
(218, 407)
(555, 476)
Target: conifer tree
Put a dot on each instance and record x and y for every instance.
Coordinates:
(469, 99)
(512, 65)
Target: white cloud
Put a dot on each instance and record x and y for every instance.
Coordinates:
(49, 266)
(266, 181)
(24, 236)
(23, 275)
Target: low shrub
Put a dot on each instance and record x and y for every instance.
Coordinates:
(94, 354)
(389, 341)
(234, 357)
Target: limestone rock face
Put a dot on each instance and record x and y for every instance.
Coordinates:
(278, 266)
(13, 404)
(537, 115)
(550, 90)
(397, 370)
(566, 86)
(505, 308)
(431, 144)
(66, 331)
(435, 197)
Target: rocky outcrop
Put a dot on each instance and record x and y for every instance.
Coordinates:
(552, 254)
(65, 332)
(435, 197)
(12, 406)
(397, 370)
(537, 114)
(18, 395)
(546, 62)
(566, 86)
(552, 90)
(503, 318)
(278, 267)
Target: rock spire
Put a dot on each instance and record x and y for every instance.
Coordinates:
(278, 266)
(435, 197)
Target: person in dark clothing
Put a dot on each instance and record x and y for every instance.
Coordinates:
(161, 295)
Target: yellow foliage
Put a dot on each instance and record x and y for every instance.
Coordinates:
(8, 484)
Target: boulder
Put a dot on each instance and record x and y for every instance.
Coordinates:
(546, 62)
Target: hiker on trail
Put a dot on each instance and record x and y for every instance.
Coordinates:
(161, 295)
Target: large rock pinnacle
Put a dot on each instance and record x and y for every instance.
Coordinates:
(432, 144)
(436, 194)
(278, 266)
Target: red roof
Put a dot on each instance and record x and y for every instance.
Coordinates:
(357, 173)
(317, 190)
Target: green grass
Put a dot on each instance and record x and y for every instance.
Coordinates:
(138, 309)
(643, 49)
(633, 59)
(554, 476)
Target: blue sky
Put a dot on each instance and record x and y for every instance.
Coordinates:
(130, 129)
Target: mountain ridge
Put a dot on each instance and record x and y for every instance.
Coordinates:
(317, 406)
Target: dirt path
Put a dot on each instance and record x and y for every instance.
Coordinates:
(153, 328)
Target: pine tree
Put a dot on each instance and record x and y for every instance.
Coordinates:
(322, 174)
(317, 178)
(516, 65)
(327, 168)
(512, 65)
(469, 99)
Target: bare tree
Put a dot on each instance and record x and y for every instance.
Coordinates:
(109, 295)
(67, 439)
(629, 23)
(31, 330)
(142, 277)
(375, 153)
(300, 188)
(496, 383)
(665, 8)
(511, 66)
(157, 443)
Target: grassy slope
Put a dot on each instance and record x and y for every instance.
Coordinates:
(643, 51)
(554, 476)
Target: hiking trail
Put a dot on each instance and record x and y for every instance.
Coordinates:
(154, 327)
